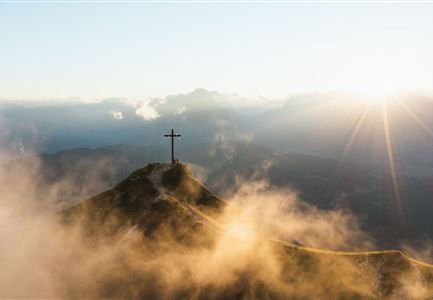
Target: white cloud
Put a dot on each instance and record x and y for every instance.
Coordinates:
(118, 115)
(180, 110)
(146, 110)
(91, 100)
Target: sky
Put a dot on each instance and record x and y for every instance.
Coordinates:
(98, 50)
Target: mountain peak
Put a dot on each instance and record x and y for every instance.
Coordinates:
(172, 180)
(150, 198)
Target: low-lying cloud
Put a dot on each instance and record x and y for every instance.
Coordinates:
(241, 253)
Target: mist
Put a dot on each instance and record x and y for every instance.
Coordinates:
(238, 251)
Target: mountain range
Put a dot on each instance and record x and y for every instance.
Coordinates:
(337, 125)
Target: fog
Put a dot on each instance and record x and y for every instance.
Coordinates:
(238, 253)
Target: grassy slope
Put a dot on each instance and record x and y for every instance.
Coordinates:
(186, 205)
(391, 266)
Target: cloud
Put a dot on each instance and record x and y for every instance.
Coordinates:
(281, 214)
(117, 115)
(180, 110)
(147, 110)
(198, 171)
(92, 100)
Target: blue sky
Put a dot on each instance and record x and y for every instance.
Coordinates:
(94, 50)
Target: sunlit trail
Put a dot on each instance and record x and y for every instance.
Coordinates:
(416, 118)
(391, 162)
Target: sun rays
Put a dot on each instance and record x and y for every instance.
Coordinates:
(392, 163)
(355, 131)
(381, 123)
(416, 118)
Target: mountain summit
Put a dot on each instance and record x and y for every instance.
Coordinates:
(155, 197)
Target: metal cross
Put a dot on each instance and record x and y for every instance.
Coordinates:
(172, 136)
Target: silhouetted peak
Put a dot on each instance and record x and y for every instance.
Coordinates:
(149, 197)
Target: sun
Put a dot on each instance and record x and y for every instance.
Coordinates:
(378, 81)
(379, 89)
(376, 93)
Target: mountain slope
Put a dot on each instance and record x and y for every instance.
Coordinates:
(165, 203)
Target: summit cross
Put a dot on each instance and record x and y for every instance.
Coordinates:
(172, 136)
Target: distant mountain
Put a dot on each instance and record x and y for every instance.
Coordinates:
(51, 127)
(337, 125)
(349, 127)
(165, 203)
